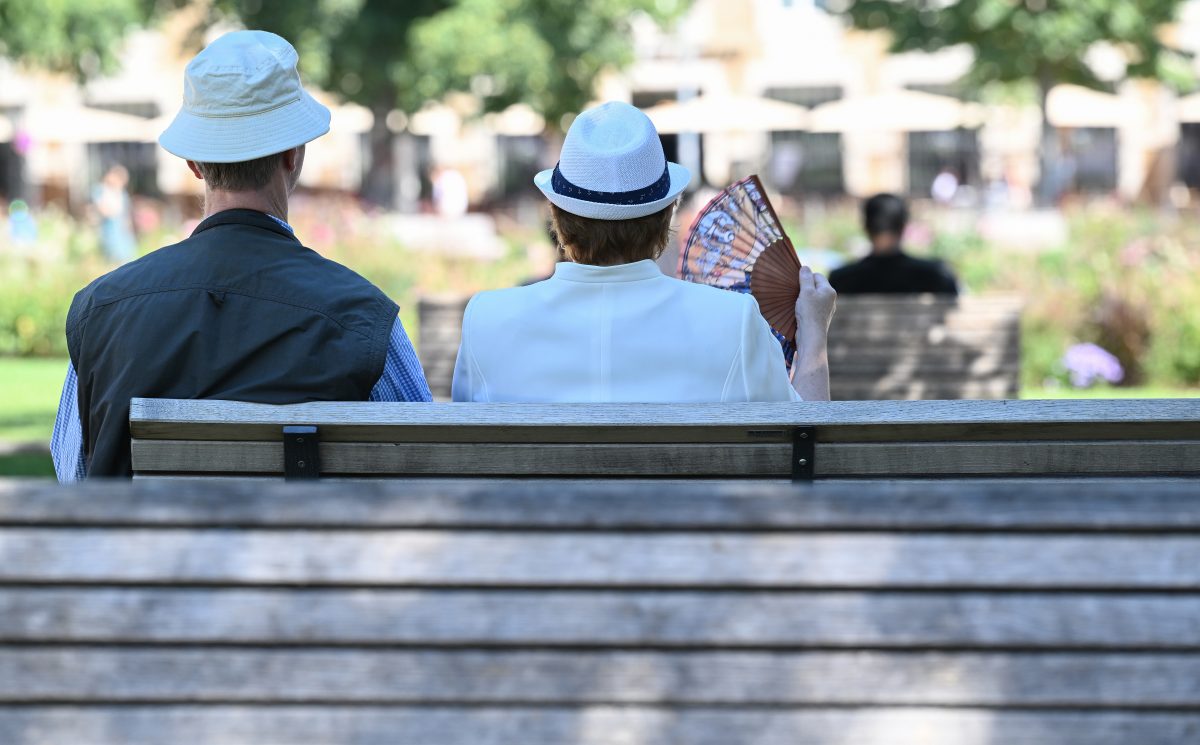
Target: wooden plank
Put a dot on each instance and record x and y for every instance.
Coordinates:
(777, 432)
(936, 362)
(55, 674)
(594, 725)
(925, 323)
(176, 419)
(887, 373)
(756, 560)
(179, 456)
(629, 619)
(847, 389)
(1126, 505)
(1143, 457)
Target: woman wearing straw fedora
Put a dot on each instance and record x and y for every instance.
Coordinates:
(608, 326)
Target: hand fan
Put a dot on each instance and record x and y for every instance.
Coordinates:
(737, 243)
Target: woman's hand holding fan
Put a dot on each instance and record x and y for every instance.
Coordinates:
(737, 243)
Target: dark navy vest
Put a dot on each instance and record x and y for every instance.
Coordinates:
(241, 311)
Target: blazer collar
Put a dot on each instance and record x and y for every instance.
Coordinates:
(252, 218)
(635, 272)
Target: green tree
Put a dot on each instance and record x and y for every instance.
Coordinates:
(388, 54)
(360, 49)
(1044, 42)
(70, 36)
(544, 53)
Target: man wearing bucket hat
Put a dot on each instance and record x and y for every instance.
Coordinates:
(608, 325)
(241, 309)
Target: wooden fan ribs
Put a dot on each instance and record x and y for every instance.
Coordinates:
(775, 284)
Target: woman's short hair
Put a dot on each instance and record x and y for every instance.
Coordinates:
(585, 240)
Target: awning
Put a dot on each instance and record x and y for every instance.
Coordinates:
(82, 124)
(895, 111)
(518, 120)
(1188, 109)
(350, 119)
(433, 119)
(1075, 106)
(726, 113)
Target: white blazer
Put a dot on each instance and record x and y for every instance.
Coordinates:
(625, 333)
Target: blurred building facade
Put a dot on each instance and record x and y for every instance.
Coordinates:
(777, 87)
(895, 122)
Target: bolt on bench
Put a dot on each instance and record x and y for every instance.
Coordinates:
(841, 439)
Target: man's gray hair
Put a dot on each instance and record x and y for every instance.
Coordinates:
(249, 175)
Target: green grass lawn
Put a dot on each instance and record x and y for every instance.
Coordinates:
(29, 391)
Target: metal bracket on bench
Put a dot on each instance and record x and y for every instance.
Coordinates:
(301, 459)
(804, 440)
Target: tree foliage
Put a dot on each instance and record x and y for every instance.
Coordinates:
(71, 36)
(1043, 41)
(545, 53)
(403, 53)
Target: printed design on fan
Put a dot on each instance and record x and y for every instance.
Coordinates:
(737, 243)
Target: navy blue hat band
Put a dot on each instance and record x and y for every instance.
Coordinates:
(645, 195)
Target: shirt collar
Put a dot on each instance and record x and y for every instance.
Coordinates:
(246, 217)
(635, 272)
(282, 223)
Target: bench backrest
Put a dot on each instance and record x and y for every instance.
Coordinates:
(885, 347)
(543, 613)
(834, 439)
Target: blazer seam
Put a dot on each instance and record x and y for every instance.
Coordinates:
(737, 357)
(476, 368)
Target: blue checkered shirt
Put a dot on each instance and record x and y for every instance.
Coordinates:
(402, 380)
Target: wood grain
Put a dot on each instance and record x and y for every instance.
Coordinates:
(144, 412)
(1013, 505)
(434, 557)
(45, 674)
(1143, 457)
(606, 618)
(597, 725)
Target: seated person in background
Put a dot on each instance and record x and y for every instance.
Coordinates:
(888, 270)
(609, 326)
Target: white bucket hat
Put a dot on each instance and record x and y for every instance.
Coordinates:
(242, 100)
(612, 167)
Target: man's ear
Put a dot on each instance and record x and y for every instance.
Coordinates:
(195, 170)
(291, 159)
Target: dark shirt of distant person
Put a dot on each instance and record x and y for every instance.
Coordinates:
(888, 270)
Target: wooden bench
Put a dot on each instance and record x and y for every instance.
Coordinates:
(610, 613)
(856, 439)
(886, 347)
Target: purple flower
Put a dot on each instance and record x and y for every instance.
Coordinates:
(1088, 363)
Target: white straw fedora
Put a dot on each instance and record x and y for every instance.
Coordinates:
(242, 100)
(612, 167)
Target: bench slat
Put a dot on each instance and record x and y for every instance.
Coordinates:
(1142, 457)
(599, 725)
(433, 557)
(1157, 505)
(80, 674)
(840, 413)
(548, 618)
